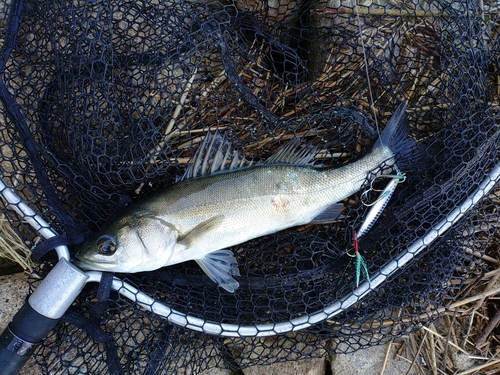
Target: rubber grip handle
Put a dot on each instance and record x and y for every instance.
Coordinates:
(10, 363)
(18, 340)
(31, 326)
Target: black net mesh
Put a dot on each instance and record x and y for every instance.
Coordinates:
(103, 102)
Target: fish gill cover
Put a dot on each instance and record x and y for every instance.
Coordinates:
(104, 103)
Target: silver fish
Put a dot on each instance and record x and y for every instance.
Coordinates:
(204, 214)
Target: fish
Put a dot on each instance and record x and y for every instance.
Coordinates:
(222, 201)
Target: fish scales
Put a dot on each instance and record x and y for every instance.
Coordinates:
(257, 201)
(307, 189)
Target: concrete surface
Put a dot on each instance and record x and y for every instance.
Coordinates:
(13, 292)
(370, 362)
(14, 289)
(313, 366)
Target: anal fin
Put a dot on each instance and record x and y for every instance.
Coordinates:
(221, 266)
(331, 214)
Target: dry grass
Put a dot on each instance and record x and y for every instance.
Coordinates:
(339, 71)
(466, 338)
(12, 246)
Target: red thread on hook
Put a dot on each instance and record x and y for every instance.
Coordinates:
(355, 240)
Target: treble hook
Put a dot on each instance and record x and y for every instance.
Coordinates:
(397, 178)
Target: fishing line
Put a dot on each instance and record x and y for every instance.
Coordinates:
(370, 93)
(260, 330)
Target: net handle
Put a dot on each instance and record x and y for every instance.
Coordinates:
(48, 303)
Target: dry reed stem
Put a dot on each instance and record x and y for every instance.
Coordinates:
(335, 78)
(428, 314)
(167, 134)
(468, 331)
(386, 357)
(486, 258)
(416, 354)
(444, 338)
(445, 350)
(492, 324)
(479, 367)
(476, 297)
(432, 348)
(488, 287)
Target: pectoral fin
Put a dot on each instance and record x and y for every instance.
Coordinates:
(331, 214)
(200, 230)
(221, 266)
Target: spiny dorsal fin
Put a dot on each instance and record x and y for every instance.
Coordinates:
(215, 154)
(294, 153)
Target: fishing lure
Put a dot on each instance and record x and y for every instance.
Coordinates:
(375, 211)
(383, 199)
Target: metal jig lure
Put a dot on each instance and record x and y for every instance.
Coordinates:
(375, 211)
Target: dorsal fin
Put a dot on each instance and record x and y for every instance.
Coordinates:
(215, 154)
(294, 153)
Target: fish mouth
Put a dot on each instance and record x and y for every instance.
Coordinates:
(87, 265)
(82, 265)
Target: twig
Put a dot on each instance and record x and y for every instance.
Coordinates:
(444, 338)
(489, 275)
(488, 329)
(479, 367)
(488, 287)
(417, 354)
(386, 357)
(486, 258)
(475, 298)
(168, 131)
(433, 353)
(403, 358)
(445, 351)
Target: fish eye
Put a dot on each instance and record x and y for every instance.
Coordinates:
(106, 245)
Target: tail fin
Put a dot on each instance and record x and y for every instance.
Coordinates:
(395, 134)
